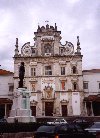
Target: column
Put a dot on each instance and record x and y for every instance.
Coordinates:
(92, 114)
(85, 109)
(43, 109)
(27, 101)
(5, 110)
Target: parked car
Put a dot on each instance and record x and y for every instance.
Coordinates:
(94, 128)
(3, 120)
(61, 131)
(82, 123)
(58, 121)
(79, 120)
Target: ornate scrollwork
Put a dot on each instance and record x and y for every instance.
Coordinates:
(26, 49)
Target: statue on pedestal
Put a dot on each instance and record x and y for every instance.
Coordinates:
(21, 111)
(21, 74)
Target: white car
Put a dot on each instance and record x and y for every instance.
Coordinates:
(58, 121)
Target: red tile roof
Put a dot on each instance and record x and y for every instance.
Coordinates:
(92, 70)
(5, 72)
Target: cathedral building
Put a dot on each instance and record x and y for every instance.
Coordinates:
(53, 73)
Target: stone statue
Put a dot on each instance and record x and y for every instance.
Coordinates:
(21, 74)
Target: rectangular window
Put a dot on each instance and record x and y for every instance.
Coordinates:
(48, 70)
(99, 85)
(11, 88)
(62, 70)
(62, 85)
(85, 85)
(61, 51)
(33, 71)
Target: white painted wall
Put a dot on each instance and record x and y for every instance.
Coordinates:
(4, 85)
(63, 96)
(93, 80)
(76, 103)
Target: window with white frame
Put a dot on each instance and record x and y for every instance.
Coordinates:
(62, 70)
(48, 70)
(33, 71)
(85, 85)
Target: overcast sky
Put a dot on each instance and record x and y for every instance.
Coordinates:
(20, 18)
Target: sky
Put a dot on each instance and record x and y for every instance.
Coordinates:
(20, 19)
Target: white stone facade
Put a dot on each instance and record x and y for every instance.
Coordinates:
(53, 73)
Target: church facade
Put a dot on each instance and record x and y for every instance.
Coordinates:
(53, 73)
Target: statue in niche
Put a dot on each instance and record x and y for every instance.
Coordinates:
(21, 74)
(33, 87)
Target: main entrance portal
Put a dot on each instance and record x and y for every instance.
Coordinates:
(49, 108)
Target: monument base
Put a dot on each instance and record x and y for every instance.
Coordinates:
(21, 111)
(22, 119)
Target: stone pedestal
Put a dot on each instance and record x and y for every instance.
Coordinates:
(21, 111)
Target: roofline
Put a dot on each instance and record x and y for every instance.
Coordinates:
(5, 72)
(92, 71)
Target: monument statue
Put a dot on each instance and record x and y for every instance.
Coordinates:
(21, 74)
(21, 111)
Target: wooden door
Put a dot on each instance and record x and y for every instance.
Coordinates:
(33, 108)
(64, 110)
(48, 108)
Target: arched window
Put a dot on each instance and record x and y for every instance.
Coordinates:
(33, 51)
(74, 70)
(74, 85)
